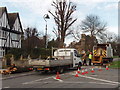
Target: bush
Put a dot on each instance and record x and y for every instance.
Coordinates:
(8, 56)
(34, 53)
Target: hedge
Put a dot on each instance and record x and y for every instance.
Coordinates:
(34, 53)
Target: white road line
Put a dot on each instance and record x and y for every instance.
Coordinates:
(100, 79)
(58, 80)
(91, 83)
(37, 80)
(42, 79)
(6, 87)
(108, 82)
(68, 82)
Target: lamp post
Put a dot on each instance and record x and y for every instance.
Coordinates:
(46, 16)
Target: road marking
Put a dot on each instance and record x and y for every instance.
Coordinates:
(58, 80)
(42, 79)
(6, 87)
(37, 80)
(68, 82)
(100, 79)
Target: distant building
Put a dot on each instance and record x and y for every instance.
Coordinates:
(10, 31)
(33, 42)
(85, 43)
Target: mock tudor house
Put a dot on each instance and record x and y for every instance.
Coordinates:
(10, 31)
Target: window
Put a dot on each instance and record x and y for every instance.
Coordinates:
(4, 34)
(2, 52)
(76, 53)
(18, 36)
(15, 36)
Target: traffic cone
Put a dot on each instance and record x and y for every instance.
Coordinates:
(92, 70)
(83, 72)
(107, 68)
(100, 69)
(57, 76)
(78, 70)
(76, 74)
(86, 71)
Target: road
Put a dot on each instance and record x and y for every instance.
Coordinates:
(97, 79)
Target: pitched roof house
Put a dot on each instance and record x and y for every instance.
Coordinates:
(10, 31)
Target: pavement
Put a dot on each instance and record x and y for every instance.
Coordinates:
(97, 79)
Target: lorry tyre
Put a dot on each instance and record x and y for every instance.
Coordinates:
(61, 70)
(45, 71)
(101, 64)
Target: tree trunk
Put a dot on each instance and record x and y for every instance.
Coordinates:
(62, 39)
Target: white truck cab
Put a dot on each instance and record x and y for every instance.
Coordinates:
(68, 53)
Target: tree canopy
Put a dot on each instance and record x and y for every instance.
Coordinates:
(93, 25)
(63, 19)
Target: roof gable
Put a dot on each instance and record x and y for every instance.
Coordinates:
(2, 10)
(12, 18)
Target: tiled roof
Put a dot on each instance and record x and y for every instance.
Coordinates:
(12, 17)
(2, 10)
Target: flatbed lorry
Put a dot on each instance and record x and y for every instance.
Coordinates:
(63, 58)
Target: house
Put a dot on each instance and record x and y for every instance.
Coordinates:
(10, 31)
(33, 42)
(85, 43)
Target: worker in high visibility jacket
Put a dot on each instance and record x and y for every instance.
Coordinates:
(90, 58)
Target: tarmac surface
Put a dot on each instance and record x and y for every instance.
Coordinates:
(97, 79)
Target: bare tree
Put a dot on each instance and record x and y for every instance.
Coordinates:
(63, 19)
(31, 32)
(111, 37)
(108, 37)
(93, 25)
(76, 33)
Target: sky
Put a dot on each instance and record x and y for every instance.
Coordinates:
(32, 11)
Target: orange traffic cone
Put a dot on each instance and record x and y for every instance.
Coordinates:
(92, 70)
(76, 74)
(86, 71)
(107, 68)
(83, 72)
(100, 69)
(78, 70)
(57, 76)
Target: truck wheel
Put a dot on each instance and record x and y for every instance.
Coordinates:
(101, 64)
(61, 70)
(45, 71)
(93, 63)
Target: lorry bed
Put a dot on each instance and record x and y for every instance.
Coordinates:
(51, 63)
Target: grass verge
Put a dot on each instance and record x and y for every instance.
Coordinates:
(115, 64)
(115, 56)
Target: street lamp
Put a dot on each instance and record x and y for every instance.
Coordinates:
(46, 16)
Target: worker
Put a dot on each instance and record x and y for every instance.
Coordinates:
(90, 58)
(84, 57)
(79, 65)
